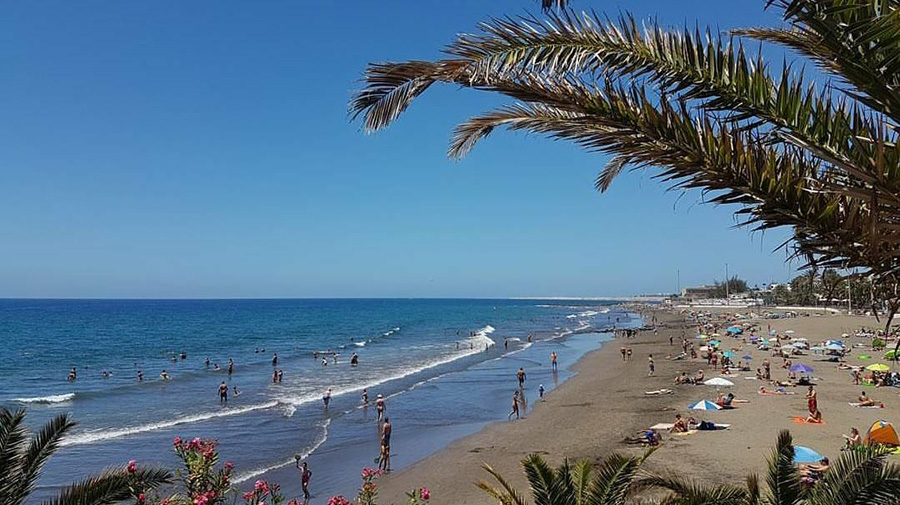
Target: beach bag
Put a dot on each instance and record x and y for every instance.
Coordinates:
(706, 425)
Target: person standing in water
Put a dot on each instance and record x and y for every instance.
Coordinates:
(515, 406)
(327, 397)
(365, 396)
(164, 375)
(73, 374)
(305, 475)
(379, 407)
(140, 376)
(521, 376)
(553, 358)
(274, 359)
(541, 391)
(230, 366)
(223, 392)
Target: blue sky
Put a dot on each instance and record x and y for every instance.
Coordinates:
(202, 149)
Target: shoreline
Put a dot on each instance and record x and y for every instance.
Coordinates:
(451, 472)
(589, 415)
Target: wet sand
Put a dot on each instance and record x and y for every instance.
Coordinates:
(589, 416)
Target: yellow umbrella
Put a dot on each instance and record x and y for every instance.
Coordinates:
(878, 367)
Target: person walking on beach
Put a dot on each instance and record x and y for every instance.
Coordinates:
(326, 398)
(768, 368)
(379, 407)
(623, 351)
(651, 366)
(521, 376)
(385, 459)
(515, 406)
(541, 391)
(553, 358)
(305, 475)
(628, 352)
(223, 392)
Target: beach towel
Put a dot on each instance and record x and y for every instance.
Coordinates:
(659, 392)
(857, 405)
(686, 433)
(662, 426)
(802, 420)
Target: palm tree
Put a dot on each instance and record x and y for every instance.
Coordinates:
(21, 461)
(821, 158)
(857, 477)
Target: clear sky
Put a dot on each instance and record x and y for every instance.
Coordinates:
(203, 149)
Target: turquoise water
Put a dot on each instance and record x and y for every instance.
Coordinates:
(426, 356)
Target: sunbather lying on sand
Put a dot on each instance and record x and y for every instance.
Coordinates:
(777, 391)
(645, 437)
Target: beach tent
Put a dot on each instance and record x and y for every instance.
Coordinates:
(801, 368)
(878, 367)
(704, 405)
(806, 455)
(882, 432)
(718, 381)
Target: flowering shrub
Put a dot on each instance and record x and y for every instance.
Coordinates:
(263, 491)
(369, 491)
(205, 484)
(419, 496)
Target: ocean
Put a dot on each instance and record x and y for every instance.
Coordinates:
(445, 367)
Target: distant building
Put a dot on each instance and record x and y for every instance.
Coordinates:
(698, 293)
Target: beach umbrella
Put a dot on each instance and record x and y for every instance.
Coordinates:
(864, 356)
(728, 354)
(704, 405)
(801, 368)
(800, 339)
(714, 343)
(716, 335)
(800, 345)
(735, 330)
(718, 381)
(835, 347)
(878, 367)
(817, 348)
(747, 357)
(890, 354)
(789, 332)
(806, 455)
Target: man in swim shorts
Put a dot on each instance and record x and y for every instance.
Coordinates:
(223, 392)
(521, 376)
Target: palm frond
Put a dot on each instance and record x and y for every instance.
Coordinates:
(43, 445)
(613, 480)
(687, 491)
(857, 477)
(782, 478)
(507, 494)
(110, 486)
(13, 439)
(581, 480)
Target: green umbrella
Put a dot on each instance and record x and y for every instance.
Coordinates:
(878, 367)
(864, 356)
(890, 354)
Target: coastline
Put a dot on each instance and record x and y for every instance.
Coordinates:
(589, 415)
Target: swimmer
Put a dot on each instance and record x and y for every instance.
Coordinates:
(354, 359)
(206, 362)
(274, 376)
(230, 366)
(335, 357)
(274, 359)
(73, 374)
(236, 392)
(280, 375)
(324, 362)
(164, 375)
(326, 398)
(365, 396)
(140, 376)
(216, 367)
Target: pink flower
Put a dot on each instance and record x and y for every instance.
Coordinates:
(248, 496)
(229, 466)
(132, 466)
(201, 500)
(141, 498)
(425, 493)
(164, 502)
(261, 485)
(339, 500)
(177, 441)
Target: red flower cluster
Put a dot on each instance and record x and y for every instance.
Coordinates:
(339, 500)
(132, 467)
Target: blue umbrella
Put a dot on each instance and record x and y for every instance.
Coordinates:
(728, 354)
(734, 330)
(704, 405)
(747, 357)
(834, 347)
(806, 455)
(801, 368)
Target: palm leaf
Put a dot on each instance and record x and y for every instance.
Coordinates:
(507, 494)
(110, 486)
(42, 446)
(783, 479)
(13, 439)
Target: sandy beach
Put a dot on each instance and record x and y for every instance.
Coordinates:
(589, 416)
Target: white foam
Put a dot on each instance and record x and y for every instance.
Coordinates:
(99, 435)
(360, 344)
(47, 399)
(259, 471)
